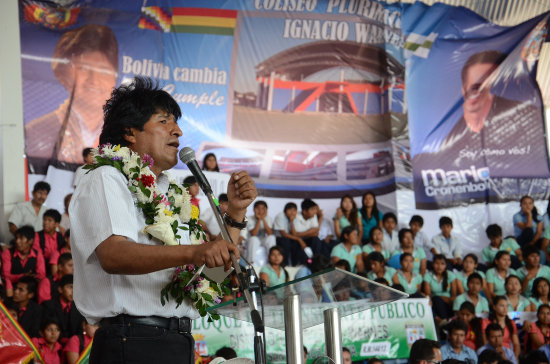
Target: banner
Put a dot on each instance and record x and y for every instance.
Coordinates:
(385, 332)
(302, 95)
(15, 346)
(475, 111)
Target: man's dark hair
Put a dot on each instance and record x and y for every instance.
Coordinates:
(32, 284)
(68, 279)
(260, 203)
(457, 325)
(226, 353)
(131, 106)
(25, 231)
(417, 218)
(223, 198)
(389, 215)
(86, 152)
(423, 349)
(64, 258)
(41, 186)
(488, 356)
(383, 281)
(75, 42)
(307, 204)
(453, 361)
(346, 350)
(493, 231)
(493, 327)
(445, 220)
(290, 205)
(54, 214)
(490, 57)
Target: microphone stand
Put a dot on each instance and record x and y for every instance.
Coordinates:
(249, 285)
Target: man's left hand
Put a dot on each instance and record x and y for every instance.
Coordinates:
(241, 191)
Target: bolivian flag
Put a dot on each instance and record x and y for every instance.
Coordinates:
(204, 21)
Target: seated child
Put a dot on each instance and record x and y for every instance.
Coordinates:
(30, 312)
(378, 268)
(532, 269)
(47, 288)
(440, 285)
(259, 231)
(410, 280)
(296, 252)
(469, 266)
(447, 244)
(391, 240)
(22, 259)
(406, 243)
(497, 275)
(208, 219)
(474, 336)
(48, 240)
(48, 343)
(64, 309)
(516, 302)
(193, 189)
(538, 333)
(420, 238)
(474, 284)
(274, 273)
(499, 315)
(540, 294)
(375, 244)
(494, 334)
(79, 342)
(349, 249)
(494, 233)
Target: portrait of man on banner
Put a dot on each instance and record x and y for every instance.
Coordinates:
(482, 133)
(85, 63)
(495, 132)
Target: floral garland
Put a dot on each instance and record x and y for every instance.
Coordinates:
(161, 213)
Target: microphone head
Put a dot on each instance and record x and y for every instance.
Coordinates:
(187, 155)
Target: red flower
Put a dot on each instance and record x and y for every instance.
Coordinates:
(147, 181)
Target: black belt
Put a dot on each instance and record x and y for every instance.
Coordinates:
(181, 324)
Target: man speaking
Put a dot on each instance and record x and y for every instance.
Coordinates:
(120, 269)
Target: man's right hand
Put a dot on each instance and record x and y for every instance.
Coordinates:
(215, 254)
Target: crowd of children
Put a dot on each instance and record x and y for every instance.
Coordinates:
(509, 279)
(467, 294)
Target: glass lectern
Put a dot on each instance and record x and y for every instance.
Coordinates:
(323, 297)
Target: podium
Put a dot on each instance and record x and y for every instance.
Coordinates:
(323, 297)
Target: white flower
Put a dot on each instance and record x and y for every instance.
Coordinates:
(162, 232)
(185, 212)
(204, 286)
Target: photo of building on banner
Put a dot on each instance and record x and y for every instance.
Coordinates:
(477, 124)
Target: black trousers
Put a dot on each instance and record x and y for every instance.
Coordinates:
(115, 344)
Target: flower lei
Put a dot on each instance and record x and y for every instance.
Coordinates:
(161, 213)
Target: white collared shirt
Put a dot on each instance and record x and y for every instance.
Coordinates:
(24, 214)
(450, 250)
(103, 206)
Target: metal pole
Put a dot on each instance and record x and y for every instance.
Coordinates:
(293, 330)
(333, 335)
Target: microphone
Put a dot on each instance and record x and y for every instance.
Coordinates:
(187, 156)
